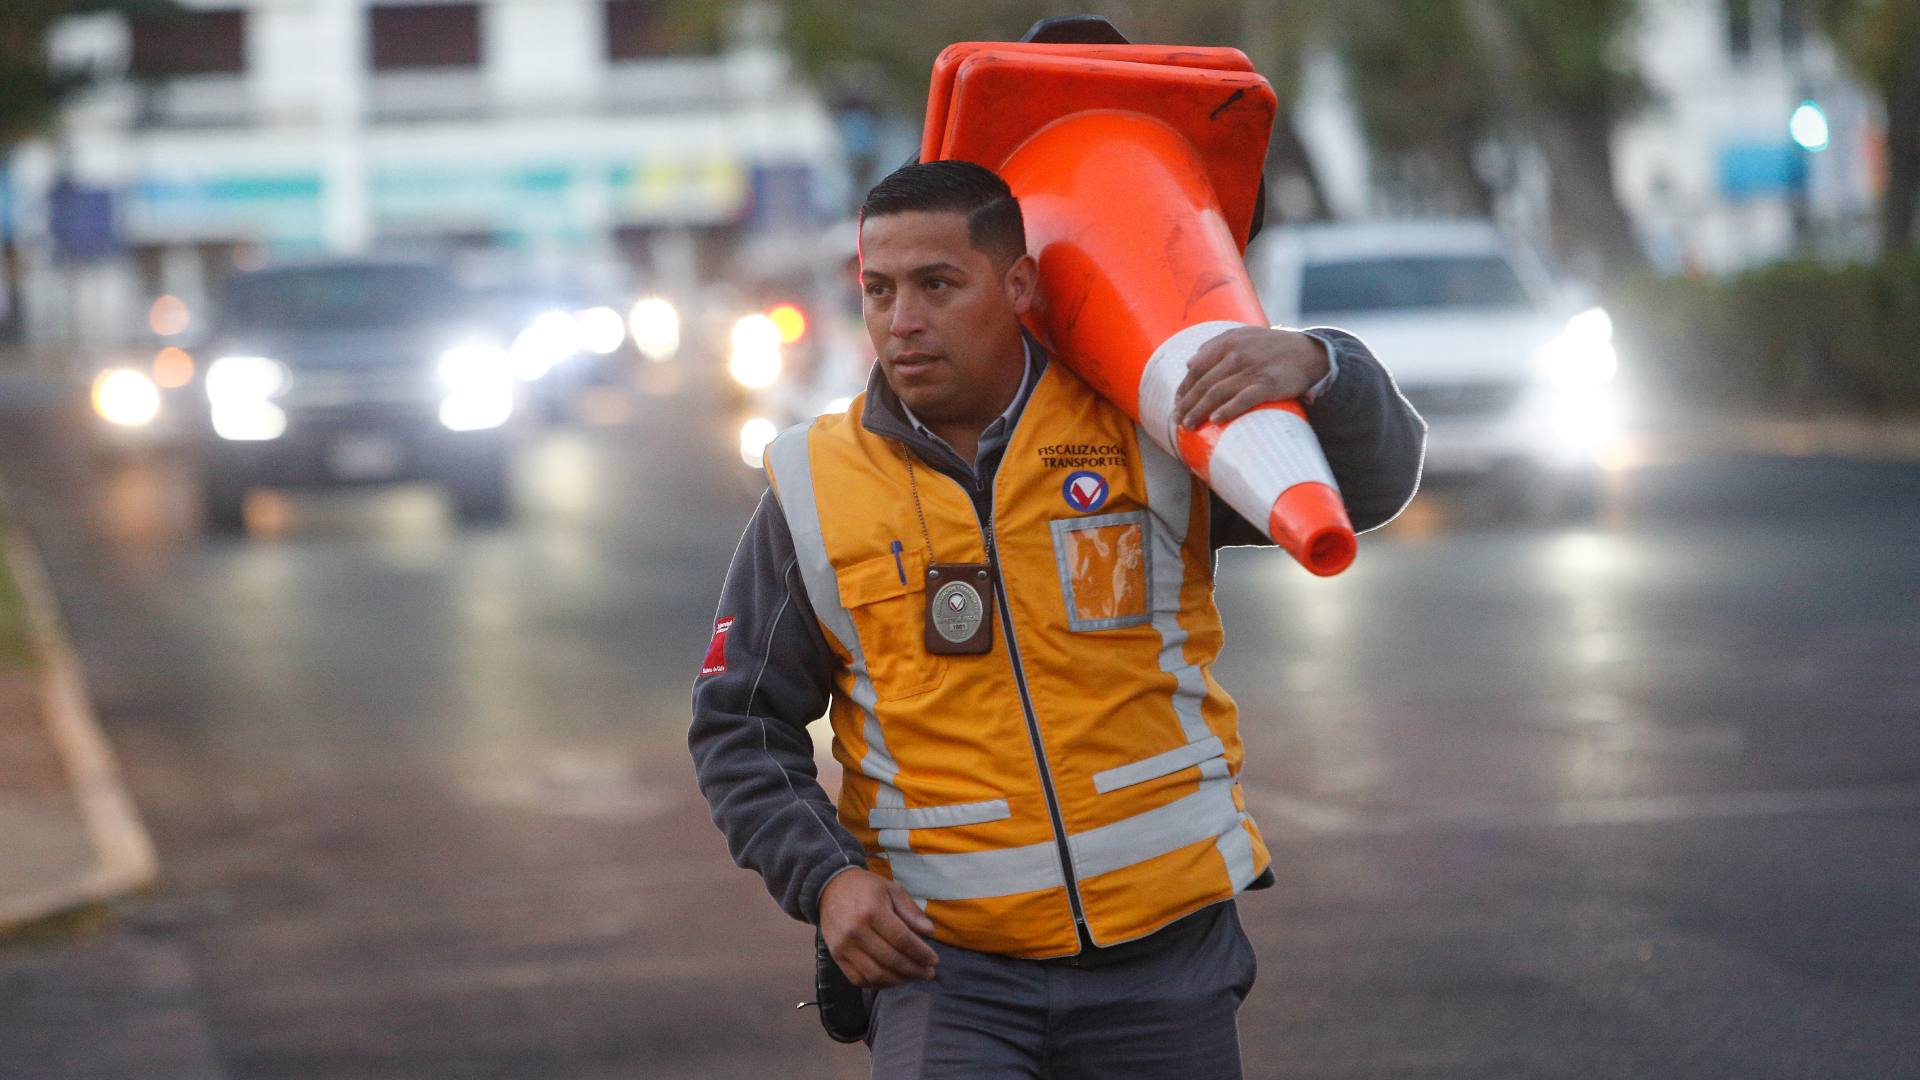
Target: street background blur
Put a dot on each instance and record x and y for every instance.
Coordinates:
(383, 385)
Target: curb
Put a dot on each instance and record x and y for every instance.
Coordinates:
(123, 856)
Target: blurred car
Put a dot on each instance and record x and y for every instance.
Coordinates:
(354, 371)
(1517, 382)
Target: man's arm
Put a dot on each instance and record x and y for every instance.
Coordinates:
(766, 675)
(1373, 439)
(752, 702)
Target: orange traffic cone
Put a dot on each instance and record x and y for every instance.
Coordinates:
(1137, 168)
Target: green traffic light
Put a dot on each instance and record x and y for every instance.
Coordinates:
(1808, 126)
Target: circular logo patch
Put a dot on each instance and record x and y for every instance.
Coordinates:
(1085, 491)
(957, 610)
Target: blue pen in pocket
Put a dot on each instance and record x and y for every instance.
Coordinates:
(898, 563)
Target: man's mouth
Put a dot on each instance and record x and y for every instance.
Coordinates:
(913, 363)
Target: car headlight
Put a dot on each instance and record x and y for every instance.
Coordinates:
(601, 330)
(755, 360)
(238, 389)
(479, 383)
(126, 397)
(1583, 353)
(466, 367)
(547, 341)
(655, 326)
(755, 436)
(245, 379)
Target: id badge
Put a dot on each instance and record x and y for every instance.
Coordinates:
(959, 609)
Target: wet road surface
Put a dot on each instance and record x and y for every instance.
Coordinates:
(1638, 797)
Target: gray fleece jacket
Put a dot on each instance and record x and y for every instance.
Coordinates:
(769, 672)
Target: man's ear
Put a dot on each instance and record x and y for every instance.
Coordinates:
(1023, 284)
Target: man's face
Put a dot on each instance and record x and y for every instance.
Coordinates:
(944, 316)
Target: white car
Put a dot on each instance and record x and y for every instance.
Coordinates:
(1516, 382)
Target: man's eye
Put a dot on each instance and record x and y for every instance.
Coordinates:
(937, 284)
(876, 291)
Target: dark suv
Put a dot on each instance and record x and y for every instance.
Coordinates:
(352, 372)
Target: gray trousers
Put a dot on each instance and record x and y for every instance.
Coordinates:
(1165, 1010)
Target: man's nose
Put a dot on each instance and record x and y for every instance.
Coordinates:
(909, 317)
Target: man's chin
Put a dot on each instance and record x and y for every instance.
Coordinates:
(918, 386)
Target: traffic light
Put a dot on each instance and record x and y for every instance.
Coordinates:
(1808, 126)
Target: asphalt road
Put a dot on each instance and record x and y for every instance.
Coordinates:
(1639, 798)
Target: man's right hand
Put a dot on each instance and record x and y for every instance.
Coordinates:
(875, 931)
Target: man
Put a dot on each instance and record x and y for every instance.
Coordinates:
(1004, 592)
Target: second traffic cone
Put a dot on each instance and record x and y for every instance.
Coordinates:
(1137, 181)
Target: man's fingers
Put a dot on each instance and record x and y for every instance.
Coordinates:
(1205, 360)
(909, 946)
(1240, 403)
(858, 967)
(885, 963)
(1187, 399)
(909, 911)
(1214, 395)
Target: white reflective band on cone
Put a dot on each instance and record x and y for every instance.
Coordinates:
(1260, 454)
(1160, 381)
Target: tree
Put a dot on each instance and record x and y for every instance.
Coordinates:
(867, 49)
(1880, 40)
(1438, 82)
(1560, 75)
(1424, 97)
(32, 90)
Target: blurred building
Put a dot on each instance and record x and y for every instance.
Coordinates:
(587, 132)
(1711, 170)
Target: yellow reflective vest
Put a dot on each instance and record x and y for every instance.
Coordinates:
(1085, 769)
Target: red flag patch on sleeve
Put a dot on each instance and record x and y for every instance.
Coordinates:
(716, 661)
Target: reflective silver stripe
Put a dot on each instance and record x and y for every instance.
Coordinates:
(1170, 497)
(791, 461)
(1236, 847)
(1061, 527)
(1180, 757)
(1203, 815)
(976, 875)
(939, 817)
(1208, 814)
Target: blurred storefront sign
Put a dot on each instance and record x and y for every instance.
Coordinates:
(83, 222)
(1761, 170)
(551, 202)
(280, 209)
(692, 191)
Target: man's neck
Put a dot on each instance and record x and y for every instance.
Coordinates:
(964, 435)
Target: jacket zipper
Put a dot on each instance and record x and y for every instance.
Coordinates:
(1033, 729)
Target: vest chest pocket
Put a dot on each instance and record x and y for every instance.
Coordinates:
(890, 616)
(1103, 570)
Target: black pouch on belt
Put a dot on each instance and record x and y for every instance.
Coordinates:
(843, 1006)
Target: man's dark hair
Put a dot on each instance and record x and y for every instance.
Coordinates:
(994, 225)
